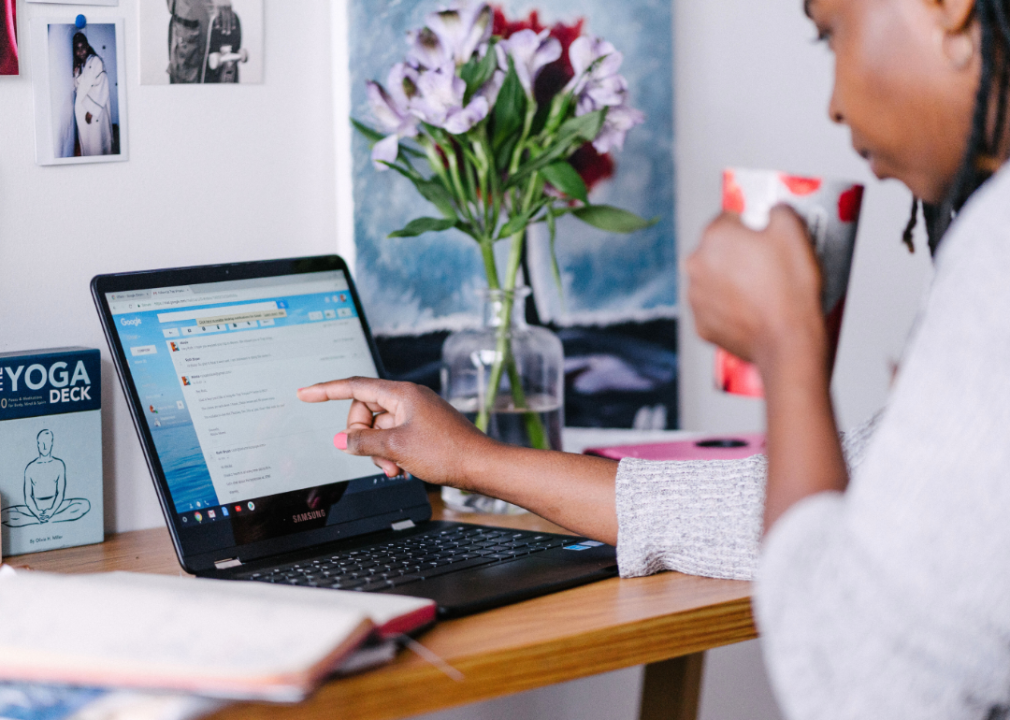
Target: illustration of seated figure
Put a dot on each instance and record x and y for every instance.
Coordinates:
(45, 491)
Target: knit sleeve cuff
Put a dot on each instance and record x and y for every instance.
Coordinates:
(696, 517)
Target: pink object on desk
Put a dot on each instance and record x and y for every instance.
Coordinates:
(713, 447)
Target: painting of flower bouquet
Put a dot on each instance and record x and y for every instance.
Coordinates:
(528, 138)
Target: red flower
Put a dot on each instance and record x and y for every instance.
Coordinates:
(591, 165)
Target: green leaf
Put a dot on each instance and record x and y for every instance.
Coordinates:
(372, 134)
(419, 226)
(504, 153)
(437, 195)
(572, 134)
(587, 126)
(555, 270)
(566, 179)
(560, 106)
(475, 73)
(611, 219)
(509, 109)
(514, 225)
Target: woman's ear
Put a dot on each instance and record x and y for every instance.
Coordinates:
(957, 30)
(955, 16)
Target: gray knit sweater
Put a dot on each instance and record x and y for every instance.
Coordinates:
(891, 600)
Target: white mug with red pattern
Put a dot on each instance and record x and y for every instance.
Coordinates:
(830, 209)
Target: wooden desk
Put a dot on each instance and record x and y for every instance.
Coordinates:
(665, 621)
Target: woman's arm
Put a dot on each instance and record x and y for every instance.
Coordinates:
(757, 294)
(409, 427)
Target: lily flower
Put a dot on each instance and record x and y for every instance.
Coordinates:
(426, 49)
(598, 85)
(391, 110)
(439, 101)
(455, 34)
(530, 52)
(620, 119)
(593, 60)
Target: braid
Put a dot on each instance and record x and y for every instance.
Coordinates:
(906, 237)
(981, 158)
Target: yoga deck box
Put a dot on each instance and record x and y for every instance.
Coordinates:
(50, 449)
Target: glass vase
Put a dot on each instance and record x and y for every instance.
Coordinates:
(526, 364)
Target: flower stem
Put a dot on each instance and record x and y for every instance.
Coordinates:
(504, 360)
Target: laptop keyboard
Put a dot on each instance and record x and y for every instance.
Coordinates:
(415, 558)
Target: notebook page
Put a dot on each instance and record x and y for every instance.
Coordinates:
(236, 639)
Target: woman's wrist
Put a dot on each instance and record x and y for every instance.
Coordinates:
(794, 350)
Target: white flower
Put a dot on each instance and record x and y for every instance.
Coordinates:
(453, 34)
(439, 101)
(620, 119)
(491, 88)
(530, 52)
(597, 85)
(593, 60)
(391, 110)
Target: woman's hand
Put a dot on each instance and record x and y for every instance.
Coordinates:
(756, 293)
(403, 426)
(87, 118)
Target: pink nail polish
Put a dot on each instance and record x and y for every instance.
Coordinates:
(340, 441)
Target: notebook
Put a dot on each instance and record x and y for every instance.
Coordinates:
(717, 447)
(230, 640)
(210, 359)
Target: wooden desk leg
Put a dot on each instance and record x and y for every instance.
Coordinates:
(672, 688)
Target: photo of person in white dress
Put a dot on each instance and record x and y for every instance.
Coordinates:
(80, 103)
(92, 100)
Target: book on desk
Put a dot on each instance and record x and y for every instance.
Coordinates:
(220, 639)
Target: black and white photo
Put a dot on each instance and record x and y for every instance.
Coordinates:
(201, 41)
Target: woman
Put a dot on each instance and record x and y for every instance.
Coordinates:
(888, 596)
(92, 108)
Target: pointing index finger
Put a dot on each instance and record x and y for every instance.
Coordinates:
(367, 390)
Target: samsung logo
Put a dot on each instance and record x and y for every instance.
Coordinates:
(311, 515)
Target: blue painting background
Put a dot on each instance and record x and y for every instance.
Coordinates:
(416, 285)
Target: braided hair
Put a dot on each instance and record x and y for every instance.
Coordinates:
(81, 39)
(982, 156)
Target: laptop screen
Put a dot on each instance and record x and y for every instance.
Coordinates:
(215, 367)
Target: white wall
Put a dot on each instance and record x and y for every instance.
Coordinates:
(752, 90)
(216, 174)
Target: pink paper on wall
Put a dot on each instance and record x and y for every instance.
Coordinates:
(9, 38)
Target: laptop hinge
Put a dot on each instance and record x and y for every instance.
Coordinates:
(403, 525)
(227, 563)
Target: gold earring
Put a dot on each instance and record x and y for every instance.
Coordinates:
(959, 49)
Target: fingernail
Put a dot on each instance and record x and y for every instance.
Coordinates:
(391, 473)
(340, 441)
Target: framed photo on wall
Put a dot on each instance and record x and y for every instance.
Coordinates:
(212, 42)
(80, 91)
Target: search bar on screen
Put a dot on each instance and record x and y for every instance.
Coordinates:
(221, 316)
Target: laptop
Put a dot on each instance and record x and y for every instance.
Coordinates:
(249, 481)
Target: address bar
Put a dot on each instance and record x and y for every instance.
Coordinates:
(260, 307)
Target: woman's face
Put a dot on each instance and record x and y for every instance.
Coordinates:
(908, 105)
(80, 51)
